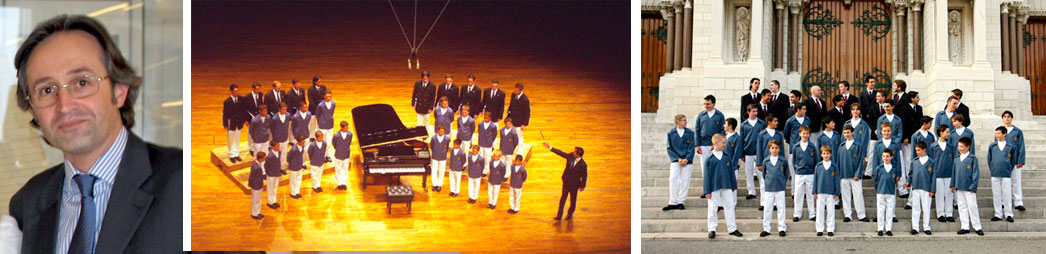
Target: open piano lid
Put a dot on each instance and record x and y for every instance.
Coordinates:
(378, 124)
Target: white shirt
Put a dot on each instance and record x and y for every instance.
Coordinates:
(963, 156)
(960, 130)
(949, 114)
(710, 113)
(854, 122)
(497, 163)
(680, 131)
(923, 159)
(233, 98)
(922, 132)
(507, 130)
(889, 117)
(1009, 129)
(718, 154)
(888, 167)
(752, 122)
(343, 133)
(913, 105)
(829, 133)
(773, 160)
(800, 119)
(942, 144)
(827, 164)
(439, 138)
(327, 104)
(464, 119)
(1001, 145)
(486, 125)
(803, 145)
(303, 116)
(283, 117)
(886, 142)
(475, 157)
(443, 110)
(771, 131)
(728, 135)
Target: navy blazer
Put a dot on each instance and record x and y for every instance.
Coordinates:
(423, 98)
(280, 129)
(574, 176)
(519, 110)
(451, 94)
(519, 175)
(487, 135)
(508, 141)
(315, 94)
(439, 148)
(272, 164)
(815, 113)
(317, 153)
(497, 173)
(443, 119)
(472, 98)
(476, 165)
(457, 160)
(465, 130)
(256, 181)
(233, 114)
(295, 99)
(342, 146)
(272, 103)
(250, 104)
(325, 115)
(259, 129)
(296, 158)
(494, 104)
(681, 147)
(299, 125)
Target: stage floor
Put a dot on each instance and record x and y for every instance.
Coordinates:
(576, 101)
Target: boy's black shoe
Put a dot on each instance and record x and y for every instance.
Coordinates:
(736, 233)
(760, 208)
(951, 219)
(666, 208)
(813, 218)
(750, 196)
(819, 233)
(927, 232)
(846, 219)
(880, 233)
(940, 219)
(915, 232)
(1020, 208)
(782, 233)
(996, 219)
(720, 208)
(1009, 219)
(907, 207)
(764, 234)
(472, 201)
(980, 232)
(318, 189)
(795, 219)
(865, 219)
(837, 207)
(260, 216)
(831, 234)
(868, 177)
(894, 219)
(680, 206)
(711, 235)
(889, 233)
(963, 232)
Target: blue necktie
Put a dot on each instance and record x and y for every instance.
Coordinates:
(84, 234)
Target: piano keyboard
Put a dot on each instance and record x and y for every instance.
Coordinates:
(393, 170)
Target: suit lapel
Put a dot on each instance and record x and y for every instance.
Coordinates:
(42, 225)
(130, 200)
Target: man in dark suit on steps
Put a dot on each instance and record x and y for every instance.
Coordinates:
(574, 177)
(750, 98)
(494, 101)
(470, 95)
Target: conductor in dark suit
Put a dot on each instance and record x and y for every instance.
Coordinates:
(470, 95)
(450, 90)
(494, 101)
(519, 110)
(815, 109)
(867, 98)
(575, 176)
(911, 116)
(253, 99)
(295, 96)
(779, 103)
(316, 93)
(114, 193)
(749, 98)
(900, 95)
(274, 97)
(423, 99)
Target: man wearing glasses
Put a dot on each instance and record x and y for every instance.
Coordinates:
(114, 193)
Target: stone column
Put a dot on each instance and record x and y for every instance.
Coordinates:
(794, 6)
(669, 16)
(940, 30)
(718, 30)
(1005, 26)
(688, 34)
(917, 37)
(980, 35)
(755, 42)
(677, 64)
(1022, 21)
(902, 36)
(1013, 41)
(779, 23)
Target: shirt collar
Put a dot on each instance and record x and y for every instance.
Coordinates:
(105, 167)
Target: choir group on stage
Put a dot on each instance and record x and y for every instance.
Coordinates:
(281, 142)
(826, 150)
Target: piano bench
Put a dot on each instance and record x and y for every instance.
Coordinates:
(399, 194)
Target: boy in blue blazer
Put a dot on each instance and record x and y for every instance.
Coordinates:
(775, 172)
(259, 131)
(791, 134)
(280, 126)
(887, 142)
(1001, 161)
(804, 158)
(498, 174)
(706, 124)
(440, 147)
(295, 164)
(826, 189)
(444, 114)
(476, 164)
(273, 171)
(734, 144)
(850, 160)
(885, 181)
(317, 157)
(964, 184)
(325, 117)
(944, 117)
(768, 134)
(960, 131)
(863, 135)
(458, 161)
(509, 140)
(300, 121)
(681, 145)
(1016, 136)
(943, 154)
(750, 130)
(487, 131)
(519, 175)
(922, 182)
(466, 126)
(720, 187)
(256, 181)
(342, 143)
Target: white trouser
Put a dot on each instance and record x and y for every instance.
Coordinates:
(726, 198)
(514, 196)
(250, 141)
(466, 145)
(272, 186)
(327, 136)
(774, 199)
(751, 173)
(803, 188)
(1015, 179)
(678, 182)
(1001, 196)
(904, 153)
(944, 197)
(492, 193)
(295, 182)
(259, 147)
(507, 160)
(885, 204)
(706, 151)
(852, 192)
(920, 208)
(868, 169)
(283, 154)
(813, 141)
(825, 212)
(316, 172)
(520, 132)
(486, 151)
(233, 143)
(341, 171)
(256, 196)
(474, 188)
(455, 181)
(438, 168)
(423, 120)
(791, 167)
(968, 213)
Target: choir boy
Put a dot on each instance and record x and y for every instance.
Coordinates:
(750, 130)
(295, 164)
(964, 184)
(498, 171)
(317, 158)
(707, 123)
(849, 157)
(1015, 135)
(509, 140)
(439, 145)
(256, 181)
(259, 130)
(444, 114)
(763, 151)
(487, 131)
(458, 161)
(720, 187)
(342, 143)
(773, 170)
(519, 176)
(466, 127)
(943, 154)
(273, 171)
(922, 182)
(1001, 161)
(805, 159)
(476, 165)
(681, 153)
(885, 181)
(826, 182)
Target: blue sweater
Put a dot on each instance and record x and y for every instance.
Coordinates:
(943, 157)
(440, 149)
(1016, 138)
(706, 127)
(826, 181)
(877, 154)
(1001, 163)
(300, 124)
(750, 135)
(342, 146)
(896, 124)
(458, 159)
(920, 177)
(497, 173)
(792, 129)
(443, 119)
(862, 132)
(942, 118)
(295, 158)
(967, 173)
(733, 150)
(519, 175)
(681, 147)
(850, 161)
(954, 138)
(886, 182)
(280, 129)
(325, 116)
(832, 142)
(775, 175)
(487, 135)
(805, 160)
(317, 153)
(509, 140)
(764, 147)
(917, 137)
(476, 166)
(259, 129)
(718, 174)
(465, 130)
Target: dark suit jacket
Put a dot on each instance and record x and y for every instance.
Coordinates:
(423, 98)
(293, 100)
(762, 113)
(745, 100)
(910, 119)
(144, 213)
(273, 104)
(780, 108)
(233, 114)
(315, 95)
(866, 101)
(452, 97)
(871, 116)
(840, 118)
(474, 99)
(850, 100)
(519, 110)
(963, 110)
(251, 105)
(815, 113)
(495, 105)
(573, 177)
(898, 100)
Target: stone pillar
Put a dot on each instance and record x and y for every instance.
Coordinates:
(779, 23)
(669, 16)
(940, 38)
(677, 63)
(902, 36)
(794, 6)
(1022, 20)
(715, 57)
(917, 35)
(1013, 41)
(1005, 27)
(980, 35)
(688, 34)
(755, 42)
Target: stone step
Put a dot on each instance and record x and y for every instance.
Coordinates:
(653, 184)
(984, 200)
(900, 236)
(754, 226)
(662, 171)
(655, 213)
(868, 192)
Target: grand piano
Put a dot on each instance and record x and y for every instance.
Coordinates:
(390, 148)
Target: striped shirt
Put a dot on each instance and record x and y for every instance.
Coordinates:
(105, 172)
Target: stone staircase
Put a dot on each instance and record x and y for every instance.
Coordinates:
(691, 223)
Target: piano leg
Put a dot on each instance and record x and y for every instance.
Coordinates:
(388, 206)
(408, 206)
(364, 180)
(424, 181)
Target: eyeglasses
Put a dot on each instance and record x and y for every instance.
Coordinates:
(79, 87)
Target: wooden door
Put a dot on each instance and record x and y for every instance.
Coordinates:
(846, 42)
(654, 42)
(1035, 63)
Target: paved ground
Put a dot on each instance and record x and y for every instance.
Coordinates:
(854, 244)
